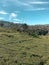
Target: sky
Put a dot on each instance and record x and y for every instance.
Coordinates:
(31, 12)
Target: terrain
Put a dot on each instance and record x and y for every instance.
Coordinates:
(19, 48)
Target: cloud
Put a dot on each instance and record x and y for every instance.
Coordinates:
(12, 15)
(37, 9)
(30, 5)
(37, 5)
(39, 2)
(3, 12)
(40, 9)
(22, 5)
(17, 20)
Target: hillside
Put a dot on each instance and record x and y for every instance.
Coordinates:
(29, 29)
(19, 48)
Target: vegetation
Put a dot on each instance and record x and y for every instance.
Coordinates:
(37, 29)
(19, 48)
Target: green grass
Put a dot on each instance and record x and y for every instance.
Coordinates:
(21, 49)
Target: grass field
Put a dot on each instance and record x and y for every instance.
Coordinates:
(21, 49)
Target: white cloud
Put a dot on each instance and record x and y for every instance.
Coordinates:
(36, 9)
(40, 9)
(20, 3)
(11, 16)
(3, 12)
(30, 5)
(26, 4)
(17, 20)
(39, 2)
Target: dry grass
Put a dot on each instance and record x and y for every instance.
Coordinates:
(20, 49)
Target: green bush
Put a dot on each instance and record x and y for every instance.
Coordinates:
(35, 35)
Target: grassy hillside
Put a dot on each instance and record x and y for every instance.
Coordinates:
(21, 49)
(29, 29)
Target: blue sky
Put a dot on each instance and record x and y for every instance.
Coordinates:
(31, 12)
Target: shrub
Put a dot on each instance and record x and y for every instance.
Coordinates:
(35, 35)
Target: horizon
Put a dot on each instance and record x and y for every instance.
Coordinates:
(31, 12)
(22, 23)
